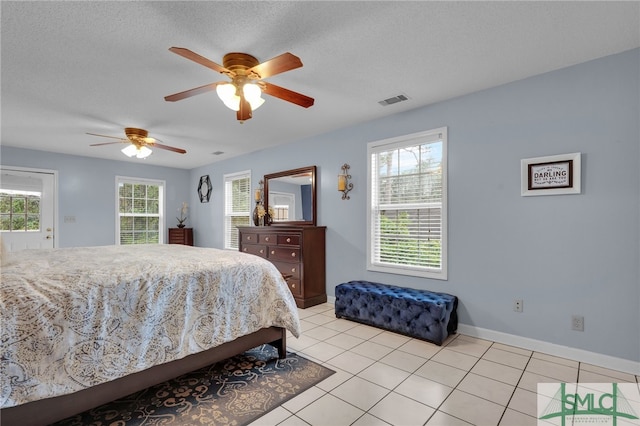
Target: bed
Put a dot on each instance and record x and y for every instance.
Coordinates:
(84, 326)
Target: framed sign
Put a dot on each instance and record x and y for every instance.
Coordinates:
(204, 189)
(552, 175)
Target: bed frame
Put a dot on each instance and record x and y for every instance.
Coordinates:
(51, 410)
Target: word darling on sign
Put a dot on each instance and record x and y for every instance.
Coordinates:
(553, 175)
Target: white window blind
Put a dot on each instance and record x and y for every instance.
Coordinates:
(407, 200)
(140, 218)
(237, 206)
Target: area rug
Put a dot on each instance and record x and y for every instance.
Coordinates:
(235, 391)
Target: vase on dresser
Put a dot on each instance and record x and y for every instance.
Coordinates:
(256, 216)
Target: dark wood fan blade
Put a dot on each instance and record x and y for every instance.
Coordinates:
(287, 95)
(277, 65)
(192, 92)
(167, 147)
(186, 53)
(244, 113)
(105, 136)
(107, 143)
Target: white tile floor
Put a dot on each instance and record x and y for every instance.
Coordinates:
(384, 378)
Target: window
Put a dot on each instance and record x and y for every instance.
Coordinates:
(237, 206)
(140, 218)
(282, 203)
(20, 202)
(407, 201)
(19, 210)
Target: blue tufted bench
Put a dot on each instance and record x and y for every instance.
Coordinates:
(417, 313)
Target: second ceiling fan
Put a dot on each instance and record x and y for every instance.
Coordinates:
(242, 94)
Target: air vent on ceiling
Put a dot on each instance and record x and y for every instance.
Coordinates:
(218, 153)
(394, 100)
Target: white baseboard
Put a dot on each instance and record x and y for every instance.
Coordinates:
(601, 360)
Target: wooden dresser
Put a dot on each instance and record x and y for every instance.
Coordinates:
(181, 236)
(298, 251)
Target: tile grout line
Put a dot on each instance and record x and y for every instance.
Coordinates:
(424, 361)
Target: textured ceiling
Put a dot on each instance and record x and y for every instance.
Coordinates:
(74, 67)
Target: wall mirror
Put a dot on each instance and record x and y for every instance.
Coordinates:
(291, 194)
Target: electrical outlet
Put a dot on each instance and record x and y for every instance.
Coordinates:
(577, 322)
(518, 305)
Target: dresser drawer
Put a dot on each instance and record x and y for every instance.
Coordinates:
(249, 237)
(292, 269)
(267, 238)
(284, 253)
(257, 249)
(289, 240)
(295, 286)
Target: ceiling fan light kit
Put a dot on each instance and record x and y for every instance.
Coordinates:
(243, 93)
(227, 92)
(134, 151)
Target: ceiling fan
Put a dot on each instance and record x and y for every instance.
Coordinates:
(139, 143)
(242, 94)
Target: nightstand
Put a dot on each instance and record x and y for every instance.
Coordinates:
(181, 236)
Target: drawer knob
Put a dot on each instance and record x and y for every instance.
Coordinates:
(293, 269)
(266, 238)
(288, 240)
(261, 251)
(249, 237)
(273, 252)
(293, 254)
(244, 249)
(293, 286)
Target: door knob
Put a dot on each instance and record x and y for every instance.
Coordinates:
(48, 229)
(49, 237)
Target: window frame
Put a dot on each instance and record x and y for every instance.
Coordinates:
(405, 141)
(161, 204)
(229, 242)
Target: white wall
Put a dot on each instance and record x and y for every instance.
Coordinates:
(563, 254)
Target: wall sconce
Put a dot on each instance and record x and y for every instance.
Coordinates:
(259, 193)
(344, 185)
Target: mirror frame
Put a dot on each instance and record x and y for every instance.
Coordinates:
(293, 172)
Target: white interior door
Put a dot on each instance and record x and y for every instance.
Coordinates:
(27, 208)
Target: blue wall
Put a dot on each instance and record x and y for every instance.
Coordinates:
(86, 190)
(563, 254)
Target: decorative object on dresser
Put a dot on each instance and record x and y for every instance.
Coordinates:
(261, 216)
(182, 214)
(182, 236)
(298, 251)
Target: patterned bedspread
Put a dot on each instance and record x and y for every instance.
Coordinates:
(75, 317)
